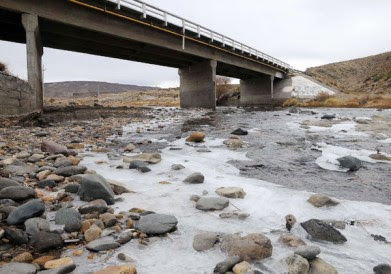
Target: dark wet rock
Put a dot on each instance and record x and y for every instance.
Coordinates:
(382, 269)
(379, 238)
(102, 244)
(239, 131)
(35, 225)
(205, 241)
(212, 203)
(329, 116)
(226, 265)
(98, 205)
(144, 169)
(177, 167)
(47, 183)
(135, 164)
(156, 224)
(33, 208)
(70, 218)
(72, 188)
(320, 200)
(236, 214)
(320, 230)
(17, 193)
(59, 270)
(308, 252)
(93, 187)
(255, 246)
(45, 241)
(18, 268)
(195, 178)
(54, 148)
(5, 182)
(350, 162)
(70, 170)
(297, 264)
(16, 236)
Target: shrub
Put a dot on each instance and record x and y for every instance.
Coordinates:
(331, 102)
(291, 102)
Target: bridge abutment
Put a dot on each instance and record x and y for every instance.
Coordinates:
(198, 85)
(256, 91)
(34, 59)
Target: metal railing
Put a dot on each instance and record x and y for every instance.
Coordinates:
(169, 18)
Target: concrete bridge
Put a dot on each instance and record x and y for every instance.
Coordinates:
(134, 30)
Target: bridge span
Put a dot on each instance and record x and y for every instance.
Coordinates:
(136, 31)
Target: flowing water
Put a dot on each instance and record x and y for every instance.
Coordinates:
(286, 159)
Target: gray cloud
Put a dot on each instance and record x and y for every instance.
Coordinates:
(302, 32)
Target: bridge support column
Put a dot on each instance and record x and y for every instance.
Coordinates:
(256, 91)
(34, 59)
(198, 85)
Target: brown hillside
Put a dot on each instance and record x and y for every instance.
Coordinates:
(371, 74)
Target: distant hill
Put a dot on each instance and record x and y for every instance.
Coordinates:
(87, 88)
(370, 74)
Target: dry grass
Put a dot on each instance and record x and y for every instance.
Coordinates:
(344, 101)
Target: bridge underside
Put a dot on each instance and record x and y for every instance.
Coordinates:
(66, 26)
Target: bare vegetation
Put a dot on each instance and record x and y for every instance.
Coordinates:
(3, 67)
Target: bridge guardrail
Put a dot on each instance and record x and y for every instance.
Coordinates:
(169, 18)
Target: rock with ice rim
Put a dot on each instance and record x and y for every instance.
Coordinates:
(231, 192)
(226, 265)
(156, 224)
(320, 200)
(205, 241)
(195, 178)
(93, 186)
(102, 244)
(350, 162)
(308, 252)
(212, 203)
(320, 230)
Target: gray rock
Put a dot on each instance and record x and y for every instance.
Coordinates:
(18, 268)
(382, 269)
(135, 164)
(205, 241)
(320, 200)
(98, 205)
(70, 170)
(93, 187)
(124, 237)
(350, 162)
(7, 202)
(235, 215)
(53, 148)
(47, 183)
(16, 236)
(144, 169)
(5, 182)
(297, 265)
(72, 188)
(177, 167)
(59, 270)
(35, 225)
(70, 218)
(155, 224)
(195, 178)
(226, 265)
(317, 266)
(20, 170)
(320, 230)
(102, 244)
(194, 198)
(33, 208)
(17, 193)
(44, 241)
(212, 203)
(329, 116)
(308, 252)
(62, 163)
(239, 131)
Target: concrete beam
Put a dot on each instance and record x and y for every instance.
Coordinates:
(256, 91)
(198, 85)
(34, 59)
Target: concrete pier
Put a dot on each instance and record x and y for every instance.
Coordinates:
(198, 85)
(256, 91)
(34, 59)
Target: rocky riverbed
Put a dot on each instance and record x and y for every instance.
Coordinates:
(191, 191)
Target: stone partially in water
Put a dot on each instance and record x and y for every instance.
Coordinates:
(231, 192)
(194, 178)
(70, 171)
(350, 162)
(329, 116)
(151, 158)
(102, 244)
(205, 241)
(297, 264)
(239, 131)
(291, 240)
(308, 252)
(93, 187)
(320, 200)
(320, 230)
(156, 224)
(290, 221)
(319, 266)
(382, 269)
(135, 164)
(196, 136)
(226, 265)
(212, 203)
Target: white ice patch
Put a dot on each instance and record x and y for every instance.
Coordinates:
(267, 203)
(330, 154)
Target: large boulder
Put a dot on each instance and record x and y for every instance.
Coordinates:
(5, 182)
(93, 187)
(231, 192)
(18, 268)
(151, 158)
(350, 162)
(205, 241)
(212, 203)
(69, 217)
(252, 247)
(320, 230)
(319, 266)
(320, 200)
(33, 208)
(44, 241)
(68, 171)
(156, 224)
(17, 193)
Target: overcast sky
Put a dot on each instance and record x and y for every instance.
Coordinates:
(303, 33)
